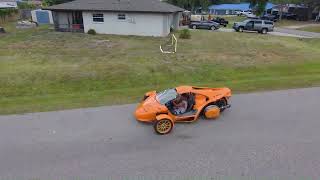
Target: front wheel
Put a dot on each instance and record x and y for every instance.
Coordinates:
(212, 112)
(221, 104)
(163, 126)
(213, 28)
(240, 29)
(194, 27)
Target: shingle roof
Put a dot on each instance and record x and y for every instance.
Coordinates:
(118, 5)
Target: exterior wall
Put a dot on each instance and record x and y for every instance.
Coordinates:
(141, 24)
(176, 20)
(218, 11)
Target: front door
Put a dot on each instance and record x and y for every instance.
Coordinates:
(257, 25)
(249, 26)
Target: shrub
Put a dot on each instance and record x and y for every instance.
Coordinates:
(4, 13)
(185, 34)
(92, 32)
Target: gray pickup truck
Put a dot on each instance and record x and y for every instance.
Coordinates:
(262, 26)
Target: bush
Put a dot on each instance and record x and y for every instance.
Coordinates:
(92, 32)
(4, 13)
(25, 5)
(185, 34)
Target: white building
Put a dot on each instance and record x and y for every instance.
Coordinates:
(123, 17)
(8, 4)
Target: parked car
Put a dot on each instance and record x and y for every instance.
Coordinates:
(204, 25)
(269, 17)
(290, 16)
(262, 26)
(221, 21)
(252, 16)
(2, 30)
(243, 13)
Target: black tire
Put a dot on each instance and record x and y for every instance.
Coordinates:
(194, 27)
(166, 130)
(213, 28)
(264, 31)
(221, 102)
(240, 29)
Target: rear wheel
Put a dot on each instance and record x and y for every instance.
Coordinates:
(264, 31)
(163, 126)
(194, 27)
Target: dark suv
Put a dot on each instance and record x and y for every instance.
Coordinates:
(204, 25)
(262, 26)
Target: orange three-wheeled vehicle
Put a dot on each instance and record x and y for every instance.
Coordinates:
(159, 108)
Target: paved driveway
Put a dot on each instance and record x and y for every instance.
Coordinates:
(264, 135)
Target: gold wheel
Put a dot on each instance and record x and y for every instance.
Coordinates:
(163, 126)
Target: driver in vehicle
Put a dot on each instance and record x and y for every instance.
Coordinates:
(180, 105)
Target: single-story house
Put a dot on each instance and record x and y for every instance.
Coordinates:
(8, 4)
(225, 9)
(123, 17)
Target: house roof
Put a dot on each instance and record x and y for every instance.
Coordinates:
(118, 5)
(240, 6)
(8, 4)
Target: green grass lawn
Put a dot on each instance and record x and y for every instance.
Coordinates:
(285, 22)
(42, 70)
(311, 29)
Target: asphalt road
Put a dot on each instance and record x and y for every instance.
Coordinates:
(296, 32)
(282, 32)
(270, 135)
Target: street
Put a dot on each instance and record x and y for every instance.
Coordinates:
(263, 135)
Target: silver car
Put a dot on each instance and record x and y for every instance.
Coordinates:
(262, 26)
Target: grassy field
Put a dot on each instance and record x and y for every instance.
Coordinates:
(285, 22)
(43, 70)
(311, 29)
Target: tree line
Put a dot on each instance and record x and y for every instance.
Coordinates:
(193, 4)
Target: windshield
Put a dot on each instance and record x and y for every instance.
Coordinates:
(166, 96)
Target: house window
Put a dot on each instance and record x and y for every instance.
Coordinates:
(98, 17)
(122, 16)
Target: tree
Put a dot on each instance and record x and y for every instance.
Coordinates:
(258, 5)
(190, 4)
(312, 5)
(282, 3)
